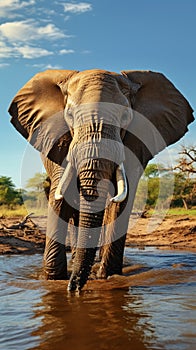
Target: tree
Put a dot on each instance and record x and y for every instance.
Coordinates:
(155, 185)
(151, 170)
(36, 182)
(36, 198)
(187, 161)
(8, 194)
(184, 191)
(185, 185)
(154, 170)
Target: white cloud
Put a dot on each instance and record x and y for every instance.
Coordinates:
(15, 3)
(32, 52)
(7, 7)
(42, 66)
(51, 32)
(29, 52)
(50, 66)
(28, 30)
(65, 52)
(3, 65)
(5, 51)
(81, 7)
(26, 37)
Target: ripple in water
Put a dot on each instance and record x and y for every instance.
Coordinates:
(152, 306)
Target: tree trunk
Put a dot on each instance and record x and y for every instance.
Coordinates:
(185, 204)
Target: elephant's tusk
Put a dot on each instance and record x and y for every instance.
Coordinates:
(121, 185)
(64, 182)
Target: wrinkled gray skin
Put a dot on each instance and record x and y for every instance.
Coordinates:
(39, 102)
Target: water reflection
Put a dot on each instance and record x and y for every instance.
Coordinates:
(152, 307)
(101, 320)
(17, 305)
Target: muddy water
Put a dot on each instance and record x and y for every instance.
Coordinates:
(153, 306)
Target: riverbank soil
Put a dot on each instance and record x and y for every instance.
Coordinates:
(28, 238)
(173, 231)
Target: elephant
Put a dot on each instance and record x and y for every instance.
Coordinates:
(96, 131)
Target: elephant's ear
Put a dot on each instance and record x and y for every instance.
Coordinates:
(162, 104)
(38, 113)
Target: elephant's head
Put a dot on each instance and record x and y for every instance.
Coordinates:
(80, 120)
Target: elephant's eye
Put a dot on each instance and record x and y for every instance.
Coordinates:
(68, 111)
(126, 117)
(69, 117)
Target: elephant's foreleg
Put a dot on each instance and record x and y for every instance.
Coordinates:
(112, 252)
(59, 214)
(55, 262)
(118, 216)
(112, 260)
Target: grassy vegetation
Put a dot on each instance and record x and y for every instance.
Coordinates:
(175, 211)
(19, 210)
(182, 211)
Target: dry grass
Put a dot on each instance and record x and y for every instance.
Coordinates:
(19, 210)
(22, 211)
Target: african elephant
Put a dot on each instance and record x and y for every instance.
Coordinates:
(96, 131)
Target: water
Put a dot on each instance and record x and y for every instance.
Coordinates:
(153, 306)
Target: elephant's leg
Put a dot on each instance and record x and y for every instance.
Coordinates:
(59, 214)
(55, 262)
(111, 254)
(112, 260)
(117, 217)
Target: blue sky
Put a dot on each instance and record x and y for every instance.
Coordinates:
(114, 35)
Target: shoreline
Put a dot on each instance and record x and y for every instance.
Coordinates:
(174, 232)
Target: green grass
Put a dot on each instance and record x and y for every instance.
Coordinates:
(175, 211)
(182, 211)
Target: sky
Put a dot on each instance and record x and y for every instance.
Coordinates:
(35, 35)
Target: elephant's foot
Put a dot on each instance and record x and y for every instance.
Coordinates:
(94, 270)
(105, 271)
(55, 272)
(55, 276)
(55, 262)
(112, 258)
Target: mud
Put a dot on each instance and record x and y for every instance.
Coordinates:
(171, 232)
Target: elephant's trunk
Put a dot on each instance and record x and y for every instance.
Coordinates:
(95, 150)
(94, 187)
